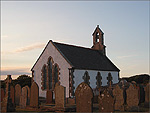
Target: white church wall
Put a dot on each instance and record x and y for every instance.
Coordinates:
(78, 74)
(57, 58)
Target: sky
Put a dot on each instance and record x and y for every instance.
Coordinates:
(27, 26)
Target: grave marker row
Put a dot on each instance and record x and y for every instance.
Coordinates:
(109, 100)
(24, 96)
(18, 96)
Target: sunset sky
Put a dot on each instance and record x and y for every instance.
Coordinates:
(27, 26)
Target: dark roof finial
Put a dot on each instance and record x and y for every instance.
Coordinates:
(98, 26)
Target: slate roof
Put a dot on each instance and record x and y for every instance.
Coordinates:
(85, 58)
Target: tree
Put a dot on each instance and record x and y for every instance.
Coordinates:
(139, 79)
(22, 80)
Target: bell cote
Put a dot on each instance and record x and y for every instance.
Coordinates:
(98, 40)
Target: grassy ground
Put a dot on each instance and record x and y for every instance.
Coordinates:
(71, 108)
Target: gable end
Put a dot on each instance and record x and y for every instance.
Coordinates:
(58, 51)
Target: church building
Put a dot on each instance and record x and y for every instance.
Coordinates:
(70, 65)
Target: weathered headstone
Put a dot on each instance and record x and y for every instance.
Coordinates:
(12, 94)
(60, 96)
(96, 93)
(132, 97)
(138, 88)
(57, 84)
(7, 105)
(23, 97)
(106, 102)
(84, 96)
(134, 83)
(17, 94)
(119, 99)
(28, 96)
(122, 83)
(34, 97)
(70, 101)
(147, 93)
(2, 94)
(141, 94)
(49, 97)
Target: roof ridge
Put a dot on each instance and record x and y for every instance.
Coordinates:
(61, 53)
(76, 46)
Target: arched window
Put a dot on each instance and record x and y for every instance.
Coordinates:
(50, 67)
(97, 37)
(109, 78)
(56, 74)
(86, 77)
(44, 77)
(99, 80)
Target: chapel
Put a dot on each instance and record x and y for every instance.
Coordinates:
(69, 65)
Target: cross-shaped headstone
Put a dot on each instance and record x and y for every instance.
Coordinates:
(8, 79)
(7, 104)
(8, 82)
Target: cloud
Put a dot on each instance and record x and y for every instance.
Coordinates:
(15, 71)
(127, 56)
(29, 47)
(23, 49)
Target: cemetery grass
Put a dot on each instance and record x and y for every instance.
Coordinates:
(18, 109)
(142, 108)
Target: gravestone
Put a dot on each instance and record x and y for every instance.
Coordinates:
(49, 97)
(17, 94)
(2, 94)
(139, 93)
(12, 94)
(23, 97)
(142, 94)
(106, 101)
(122, 83)
(84, 96)
(132, 97)
(60, 96)
(147, 93)
(34, 97)
(7, 105)
(134, 83)
(119, 99)
(57, 84)
(28, 96)
(95, 93)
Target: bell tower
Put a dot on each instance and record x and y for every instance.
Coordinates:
(98, 40)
